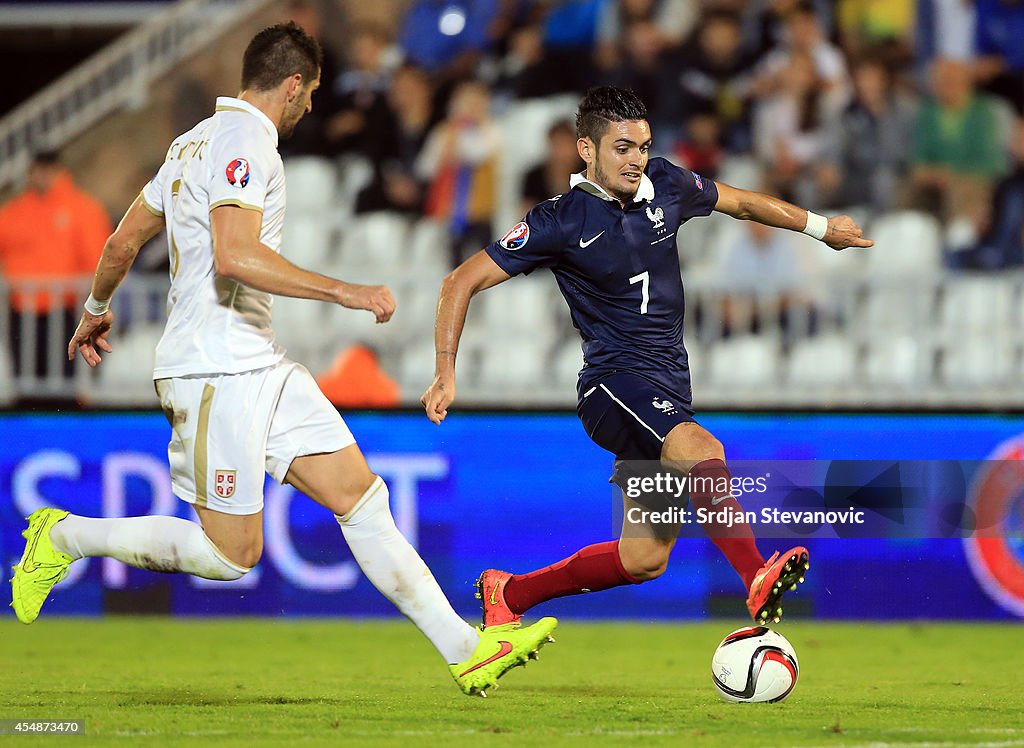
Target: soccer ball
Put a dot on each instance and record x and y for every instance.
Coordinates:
(754, 664)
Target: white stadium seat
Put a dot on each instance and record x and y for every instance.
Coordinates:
(744, 362)
(979, 304)
(976, 362)
(126, 374)
(566, 362)
(514, 364)
(416, 370)
(6, 376)
(430, 247)
(521, 306)
(306, 241)
(908, 244)
(298, 324)
(374, 242)
(900, 361)
(343, 327)
(825, 361)
(311, 183)
(888, 308)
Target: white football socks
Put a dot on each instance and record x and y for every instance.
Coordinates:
(396, 569)
(166, 544)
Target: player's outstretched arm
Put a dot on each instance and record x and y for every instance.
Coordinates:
(137, 227)
(239, 255)
(477, 273)
(838, 232)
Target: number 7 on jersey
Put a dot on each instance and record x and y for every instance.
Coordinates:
(644, 279)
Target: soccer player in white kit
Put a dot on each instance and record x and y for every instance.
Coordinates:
(237, 407)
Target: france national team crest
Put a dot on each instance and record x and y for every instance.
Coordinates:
(657, 217)
(225, 483)
(238, 172)
(517, 237)
(665, 406)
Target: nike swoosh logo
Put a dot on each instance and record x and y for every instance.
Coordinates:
(494, 591)
(503, 649)
(718, 500)
(584, 245)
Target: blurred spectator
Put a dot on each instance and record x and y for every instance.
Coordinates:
(789, 136)
(53, 231)
(551, 176)
(1002, 228)
(944, 29)
(459, 161)
(700, 147)
(762, 282)
(356, 380)
(641, 68)
(360, 93)
(521, 73)
(868, 144)
(394, 150)
(804, 36)
(957, 149)
(446, 37)
(715, 75)
(309, 136)
(765, 21)
(883, 26)
(999, 44)
(570, 32)
(672, 21)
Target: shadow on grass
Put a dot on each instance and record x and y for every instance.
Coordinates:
(183, 697)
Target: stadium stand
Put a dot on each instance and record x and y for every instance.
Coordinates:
(892, 325)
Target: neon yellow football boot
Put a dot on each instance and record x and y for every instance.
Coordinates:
(501, 648)
(41, 567)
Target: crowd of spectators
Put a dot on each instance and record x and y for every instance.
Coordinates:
(868, 104)
(863, 105)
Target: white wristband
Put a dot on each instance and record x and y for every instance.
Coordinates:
(96, 308)
(816, 226)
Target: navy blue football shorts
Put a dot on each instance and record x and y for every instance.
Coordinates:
(630, 415)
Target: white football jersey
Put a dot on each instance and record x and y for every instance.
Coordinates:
(216, 325)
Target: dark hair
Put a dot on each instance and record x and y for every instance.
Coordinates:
(606, 104)
(559, 127)
(45, 158)
(719, 15)
(279, 52)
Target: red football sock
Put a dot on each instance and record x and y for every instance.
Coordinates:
(737, 542)
(596, 567)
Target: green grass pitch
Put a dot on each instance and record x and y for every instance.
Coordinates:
(267, 682)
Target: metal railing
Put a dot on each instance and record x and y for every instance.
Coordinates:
(951, 341)
(116, 76)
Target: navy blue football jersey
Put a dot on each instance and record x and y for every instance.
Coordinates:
(618, 269)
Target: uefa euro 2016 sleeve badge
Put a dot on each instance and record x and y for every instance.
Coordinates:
(238, 172)
(517, 237)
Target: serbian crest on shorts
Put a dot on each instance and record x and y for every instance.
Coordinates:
(224, 483)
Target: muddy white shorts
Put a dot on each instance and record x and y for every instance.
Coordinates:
(230, 429)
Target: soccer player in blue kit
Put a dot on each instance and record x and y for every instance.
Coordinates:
(610, 242)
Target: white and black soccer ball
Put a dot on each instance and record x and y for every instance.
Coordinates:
(754, 664)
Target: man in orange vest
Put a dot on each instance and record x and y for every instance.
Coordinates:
(53, 231)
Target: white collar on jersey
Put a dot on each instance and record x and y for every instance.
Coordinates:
(644, 192)
(229, 103)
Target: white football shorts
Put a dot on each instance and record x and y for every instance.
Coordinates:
(230, 429)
